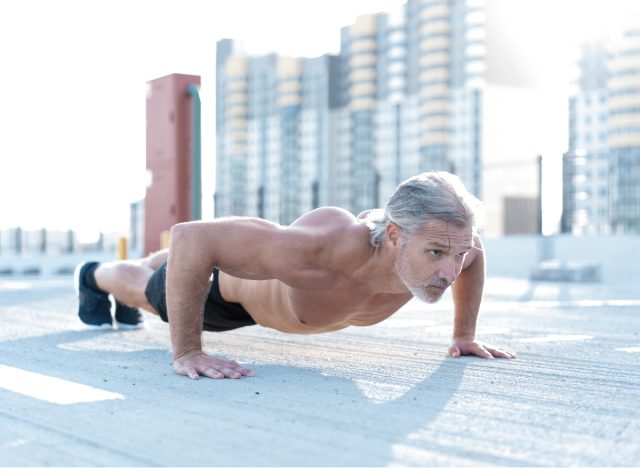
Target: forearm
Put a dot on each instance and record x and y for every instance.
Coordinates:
(467, 295)
(188, 272)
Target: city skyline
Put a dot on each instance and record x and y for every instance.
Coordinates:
(83, 93)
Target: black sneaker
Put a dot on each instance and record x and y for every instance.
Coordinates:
(128, 317)
(94, 308)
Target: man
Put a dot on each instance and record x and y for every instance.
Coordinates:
(326, 271)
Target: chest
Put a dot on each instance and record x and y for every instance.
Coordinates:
(343, 306)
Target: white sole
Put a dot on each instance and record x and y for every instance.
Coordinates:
(76, 278)
(104, 326)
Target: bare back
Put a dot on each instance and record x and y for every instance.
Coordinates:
(340, 282)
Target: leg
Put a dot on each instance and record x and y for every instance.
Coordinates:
(127, 281)
(156, 259)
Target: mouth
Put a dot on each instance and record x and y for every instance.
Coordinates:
(439, 289)
(439, 285)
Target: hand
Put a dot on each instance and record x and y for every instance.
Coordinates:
(466, 346)
(195, 364)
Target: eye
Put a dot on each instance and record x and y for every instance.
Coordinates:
(461, 255)
(435, 253)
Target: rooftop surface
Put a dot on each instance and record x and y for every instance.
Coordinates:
(385, 395)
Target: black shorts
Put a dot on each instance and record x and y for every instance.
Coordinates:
(219, 315)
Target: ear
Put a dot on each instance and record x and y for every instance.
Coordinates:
(393, 234)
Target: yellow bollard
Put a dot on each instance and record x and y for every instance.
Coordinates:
(165, 237)
(121, 248)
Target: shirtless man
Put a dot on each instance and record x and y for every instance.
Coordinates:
(326, 271)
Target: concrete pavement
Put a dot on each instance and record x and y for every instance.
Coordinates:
(385, 395)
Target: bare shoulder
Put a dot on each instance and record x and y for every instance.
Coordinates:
(332, 226)
(339, 236)
(325, 218)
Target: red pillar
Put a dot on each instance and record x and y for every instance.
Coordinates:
(169, 141)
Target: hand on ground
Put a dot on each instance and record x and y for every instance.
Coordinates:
(194, 365)
(466, 347)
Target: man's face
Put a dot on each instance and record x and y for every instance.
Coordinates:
(431, 259)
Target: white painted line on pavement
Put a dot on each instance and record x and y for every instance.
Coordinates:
(632, 349)
(432, 326)
(51, 389)
(555, 338)
(551, 304)
(604, 303)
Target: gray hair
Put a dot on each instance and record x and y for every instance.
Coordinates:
(425, 197)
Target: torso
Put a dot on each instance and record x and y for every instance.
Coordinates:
(343, 290)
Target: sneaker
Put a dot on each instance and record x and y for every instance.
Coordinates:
(94, 308)
(128, 317)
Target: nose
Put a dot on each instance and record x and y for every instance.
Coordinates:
(448, 271)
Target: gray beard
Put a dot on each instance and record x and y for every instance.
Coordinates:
(423, 293)
(419, 289)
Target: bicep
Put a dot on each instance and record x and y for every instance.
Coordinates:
(252, 248)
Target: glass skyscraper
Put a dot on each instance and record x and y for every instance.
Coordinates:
(587, 171)
(407, 93)
(624, 132)
(601, 170)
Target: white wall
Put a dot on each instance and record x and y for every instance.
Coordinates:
(512, 256)
(516, 256)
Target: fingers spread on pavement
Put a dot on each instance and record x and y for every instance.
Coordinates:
(213, 374)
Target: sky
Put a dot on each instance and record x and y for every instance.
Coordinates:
(72, 87)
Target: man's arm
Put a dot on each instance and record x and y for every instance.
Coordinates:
(467, 296)
(244, 247)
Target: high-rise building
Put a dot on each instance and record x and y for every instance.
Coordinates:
(586, 165)
(429, 87)
(601, 170)
(232, 190)
(624, 132)
(361, 47)
(273, 133)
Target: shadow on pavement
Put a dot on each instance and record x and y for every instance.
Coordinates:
(287, 415)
